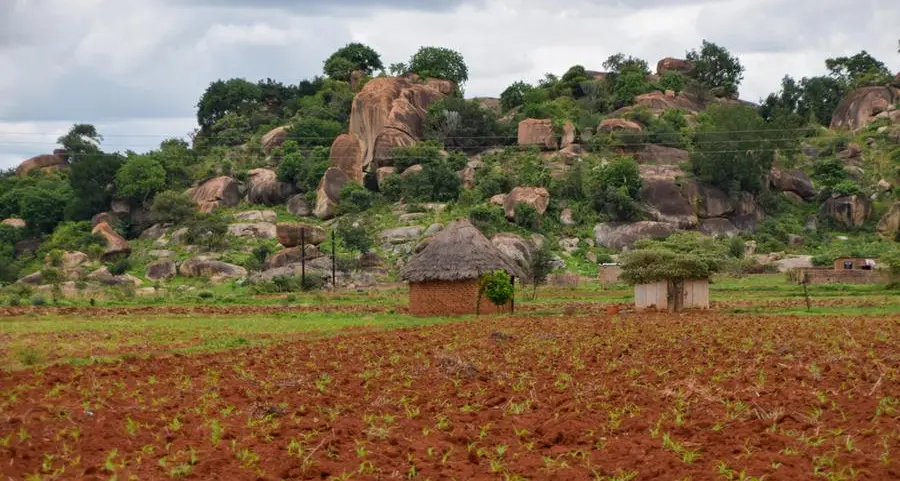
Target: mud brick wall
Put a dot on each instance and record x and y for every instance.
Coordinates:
(448, 299)
(830, 276)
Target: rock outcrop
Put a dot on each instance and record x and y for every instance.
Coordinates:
(859, 108)
(670, 64)
(619, 125)
(290, 234)
(56, 160)
(849, 211)
(537, 132)
(664, 199)
(12, 222)
(298, 206)
(347, 155)
(293, 255)
(214, 193)
(889, 225)
(620, 235)
(659, 154)
(256, 216)
(216, 271)
(537, 197)
(274, 138)
(161, 270)
(793, 180)
(389, 112)
(265, 188)
(328, 193)
(255, 230)
(116, 246)
(516, 248)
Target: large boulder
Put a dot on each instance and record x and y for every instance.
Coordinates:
(568, 135)
(620, 235)
(516, 248)
(255, 230)
(298, 206)
(290, 234)
(849, 211)
(161, 270)
(216, 271)
(389, 112)
(400, 235)
(537, 132)
(265, 188)
(710, 201)
(218, 192)
(116, 246)
(659, 154)
(619, 125)
(658, 102)
(859, 108)
(256, 216)
(103, 276)
(718, 227)
(293, 255)
(12, 222)
(154, 232)
(274, 138)
(328, 193)
(347, 155)
(889, 224)
(792, 180)
(663, 197)
(670, 64)
(537, 197)
(55, 161)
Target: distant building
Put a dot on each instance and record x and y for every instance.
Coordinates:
(845, 270)
(608, 273)
(659, 295)
(854, 263)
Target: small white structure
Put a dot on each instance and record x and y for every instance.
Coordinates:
(655, 295)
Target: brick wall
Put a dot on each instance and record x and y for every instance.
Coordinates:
(448, 299)
(609, 274)
(830, 276)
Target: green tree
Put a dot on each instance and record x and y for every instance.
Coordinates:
(735, 148)
(514, 96)
(615, 188)
(671, 80)
(813, 99)
(140, 178)
(620, 63)
(173, 207)
(302, 170)
(858, 70)
(541, 266)
(223, 96)
(497, 287)
(92, 179)
(353, 56)
(716, 68)
(43, 208)
(440, 62)
(355, 199)
(461, 125)
(80, 142)
(315, 132)
(209, 231)
(683, 256)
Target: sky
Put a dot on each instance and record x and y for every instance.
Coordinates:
(136, 68)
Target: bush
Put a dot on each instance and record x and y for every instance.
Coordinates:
(172, 206)
(355, 199)
(616, 188)
(527, 217)
(120, 267)
(354, 237)
(497, 287)
(488, 219)
(303, 171)
(209, 231)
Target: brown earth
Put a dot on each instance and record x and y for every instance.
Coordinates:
(698, 395)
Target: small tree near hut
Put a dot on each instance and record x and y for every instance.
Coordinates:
(680, 258)
(497, 287)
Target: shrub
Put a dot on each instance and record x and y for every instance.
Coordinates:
(355, 199)
(616, 187)
(354, 237)
(120, 267)
(527, 217)
(208, 231)
(497, 287)
(172, 206)
(488, 219)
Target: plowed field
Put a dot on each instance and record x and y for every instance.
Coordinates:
(649, 396)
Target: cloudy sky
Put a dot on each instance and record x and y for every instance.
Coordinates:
(136, 68)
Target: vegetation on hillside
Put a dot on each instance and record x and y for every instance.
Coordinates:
(731, 145)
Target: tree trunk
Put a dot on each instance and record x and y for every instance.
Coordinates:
(675, 295)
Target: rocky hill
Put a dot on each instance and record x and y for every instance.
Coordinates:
(352, 172)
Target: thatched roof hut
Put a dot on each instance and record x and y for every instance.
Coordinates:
(444, 276)
(457, 253)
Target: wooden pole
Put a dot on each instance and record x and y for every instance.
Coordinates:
(303, 258)
(333, 262)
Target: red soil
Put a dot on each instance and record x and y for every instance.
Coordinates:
(557, 398)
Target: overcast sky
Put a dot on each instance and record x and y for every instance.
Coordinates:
(136, 68)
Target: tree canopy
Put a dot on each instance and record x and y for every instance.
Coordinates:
(716, 68)
(682, 256)
(353, 56)
(439, 62)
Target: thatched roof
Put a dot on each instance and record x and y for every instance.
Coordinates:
(457, 253)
